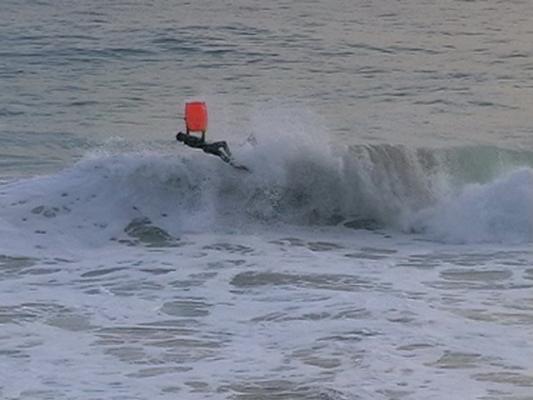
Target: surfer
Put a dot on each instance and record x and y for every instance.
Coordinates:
(196, 121)
(219, 149)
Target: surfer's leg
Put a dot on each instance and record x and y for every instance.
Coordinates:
(223, 156)
(222, 146)
(215, 149)
(226, 149)
(223, 150)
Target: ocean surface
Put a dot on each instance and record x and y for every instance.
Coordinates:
(380, 247)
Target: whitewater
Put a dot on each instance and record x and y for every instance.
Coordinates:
(379, 248)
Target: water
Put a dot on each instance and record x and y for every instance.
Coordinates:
(380, 248)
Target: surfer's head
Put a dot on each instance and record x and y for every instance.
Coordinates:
(180, 137)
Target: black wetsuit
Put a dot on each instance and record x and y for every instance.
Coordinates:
(219, 149)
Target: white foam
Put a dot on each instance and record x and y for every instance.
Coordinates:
(499, 211)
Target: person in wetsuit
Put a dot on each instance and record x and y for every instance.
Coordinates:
(219, 149)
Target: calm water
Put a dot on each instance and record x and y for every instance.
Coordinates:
(379, 249)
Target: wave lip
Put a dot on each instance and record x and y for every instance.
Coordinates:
(500, 211)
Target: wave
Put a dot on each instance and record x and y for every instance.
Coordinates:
(500, 211)
(458, 195)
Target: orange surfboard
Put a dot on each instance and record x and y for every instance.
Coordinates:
(196, 116)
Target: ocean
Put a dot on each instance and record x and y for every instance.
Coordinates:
(379, 247)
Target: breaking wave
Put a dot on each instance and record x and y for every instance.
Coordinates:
(500, 211)
(468, 194)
